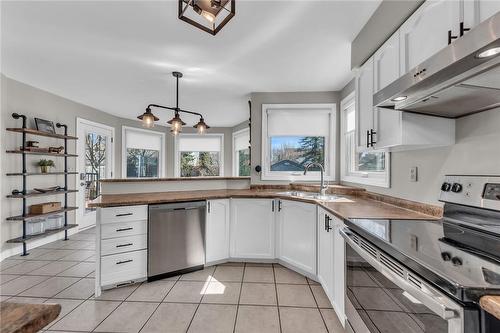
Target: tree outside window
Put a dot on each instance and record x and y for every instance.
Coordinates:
(293, 153)
(95, 164)
(142, 163)
(199, 164)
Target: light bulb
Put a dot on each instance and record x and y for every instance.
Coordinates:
(174, 132)
(148, 121)
(208, 16)
(201, 129)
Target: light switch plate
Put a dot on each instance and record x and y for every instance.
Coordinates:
(413, 174)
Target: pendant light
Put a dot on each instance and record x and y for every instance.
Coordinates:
(176, 123)
(148, 118)
(208, 15)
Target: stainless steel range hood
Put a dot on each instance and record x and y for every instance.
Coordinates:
(455, 82)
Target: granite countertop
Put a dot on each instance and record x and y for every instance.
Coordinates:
(168, 179)
(20, 318)
(491, 304)
(347, 206)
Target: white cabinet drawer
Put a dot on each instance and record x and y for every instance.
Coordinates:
(123, 244)
(123, 267)
(125, 213)
(122, 229)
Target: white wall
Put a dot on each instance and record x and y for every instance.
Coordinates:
(33, 102)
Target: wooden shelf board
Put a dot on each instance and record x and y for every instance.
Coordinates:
(46, 233)
(26, 152)
(34, 216)
(39, 194)
(40, 173)
(40, 133)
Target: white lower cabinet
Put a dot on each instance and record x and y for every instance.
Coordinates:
(122, 246)
(296, 230)
(331, 260)
(252, 228)
(217, 230)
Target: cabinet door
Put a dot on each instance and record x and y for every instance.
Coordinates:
(252, 228)
(364, 103)
(477, 11)
(325, 255)
(386, 70)
(217, 230)
(297, 234)
(338, 268)
(426, 31)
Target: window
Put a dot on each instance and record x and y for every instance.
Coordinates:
(199, 155)
(369, 167)
(143, 153)
(241, 153)
(294, 135)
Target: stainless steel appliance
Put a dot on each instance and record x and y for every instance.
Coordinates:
(460, 79)
(176, 239)
(425, 275)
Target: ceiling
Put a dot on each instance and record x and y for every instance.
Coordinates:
(117, 56)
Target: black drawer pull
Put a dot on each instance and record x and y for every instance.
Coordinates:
(124, 245)
(124, 261)
(124, 229)
(124, 214)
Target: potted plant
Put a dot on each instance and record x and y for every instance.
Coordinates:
(45, 165)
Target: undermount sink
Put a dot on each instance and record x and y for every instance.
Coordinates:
(310, 195)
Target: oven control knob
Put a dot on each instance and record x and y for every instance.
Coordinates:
(456, 188)
(446, 187)
(456, 261)
(446, 256)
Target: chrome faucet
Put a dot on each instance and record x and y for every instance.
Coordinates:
(323, 187)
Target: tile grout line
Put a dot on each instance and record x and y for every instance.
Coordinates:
(199, 303)
(277, 302)
(161, 302)
(239, 297)
(317, 305)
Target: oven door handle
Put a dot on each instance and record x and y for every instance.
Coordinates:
(433, 302)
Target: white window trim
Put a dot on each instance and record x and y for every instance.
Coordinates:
(177, 153)
(365, 178)
(124, 149)
(236, 164)
(266, 173)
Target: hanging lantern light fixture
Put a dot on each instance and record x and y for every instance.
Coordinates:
(208, 15)
(176, 123)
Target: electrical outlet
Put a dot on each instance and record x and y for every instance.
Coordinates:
(413, 174)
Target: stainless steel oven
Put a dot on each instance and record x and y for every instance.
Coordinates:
(382, 295)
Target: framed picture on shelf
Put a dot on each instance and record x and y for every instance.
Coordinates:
(43, 125)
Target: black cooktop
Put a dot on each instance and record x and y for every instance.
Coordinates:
(462, 259)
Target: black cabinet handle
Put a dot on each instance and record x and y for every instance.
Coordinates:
(463, 29)
(124, 245)
(367, 139)
(450, 37)
(124, 261)
(327, 223)
(272, 206)
(124, 229)
(124, 214)
(208, 204)
(279, 205)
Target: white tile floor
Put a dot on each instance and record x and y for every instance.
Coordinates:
(233, 297)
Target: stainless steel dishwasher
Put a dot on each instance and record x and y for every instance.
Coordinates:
(176, 239)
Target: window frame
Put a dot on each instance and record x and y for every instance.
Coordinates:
(379, 179)
(330, 147)
(177, 153)
(236, 164)
(161, 162)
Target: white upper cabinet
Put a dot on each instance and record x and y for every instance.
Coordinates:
(217, 230)
(252, 228)
(364, 103)
(476, 11)
(386, 70)
(426, 31)
(297, 234)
